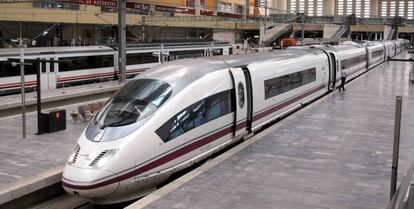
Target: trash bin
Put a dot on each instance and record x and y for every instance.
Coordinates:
(53, 120)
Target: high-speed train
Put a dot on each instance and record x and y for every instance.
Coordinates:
(183, 111)
(94, 63)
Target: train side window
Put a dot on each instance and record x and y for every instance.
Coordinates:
(141, 58)
(7, 70)
(217, 52)
(86, 62)
(196, 115)
(378, 53)
(187, 54)
(350, 62)
(282, 84)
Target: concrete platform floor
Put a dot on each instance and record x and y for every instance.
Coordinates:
(336, 153)
(21, 158)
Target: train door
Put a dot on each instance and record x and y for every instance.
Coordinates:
(225, 51)
(334, 70)
(52, 73)
(243, 101)
(395, 48)
(48, 74)
(166, 56)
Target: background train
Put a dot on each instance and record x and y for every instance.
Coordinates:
(94, 63)
(181, 112)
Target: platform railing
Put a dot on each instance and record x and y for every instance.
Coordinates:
(404, 196)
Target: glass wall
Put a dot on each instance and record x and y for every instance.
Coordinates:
(367, 9)
(340, 7)
(310, 7)
(319, 7)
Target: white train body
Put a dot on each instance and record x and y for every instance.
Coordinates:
(181, 112)
(92, 63)
(391, 48)
(375, 53)
(351, 59)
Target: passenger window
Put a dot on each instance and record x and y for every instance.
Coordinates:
(279, 85)
(141, 58)
(196, 115)
(86, 62)
(350, 62)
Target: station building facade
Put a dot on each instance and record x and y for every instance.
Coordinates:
(92, 22)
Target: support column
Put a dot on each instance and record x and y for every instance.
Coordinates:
(375, 5)
(247, 9)
(397, 8)
(122, 41)
(306, 7)
(328, 7)
(197, 7)
(388, 8)
(362, 8)
(281, 5)
(353, 7)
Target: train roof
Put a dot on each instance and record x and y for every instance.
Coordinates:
(274, 56)
(374, 44)
(181, 73)
(11, 52)
(54, 50)
(340, 49)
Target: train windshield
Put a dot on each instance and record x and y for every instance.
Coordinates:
(136, 100)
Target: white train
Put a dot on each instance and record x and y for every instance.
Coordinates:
(93, 63)
(181, 112)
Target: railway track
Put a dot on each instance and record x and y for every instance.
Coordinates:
(67, 201)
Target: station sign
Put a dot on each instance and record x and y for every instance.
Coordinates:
(105, 3)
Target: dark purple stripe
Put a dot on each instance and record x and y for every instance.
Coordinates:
(241, 125)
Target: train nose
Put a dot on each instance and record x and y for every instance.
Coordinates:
(89, 183)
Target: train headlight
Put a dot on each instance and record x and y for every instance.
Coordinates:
(103, 158)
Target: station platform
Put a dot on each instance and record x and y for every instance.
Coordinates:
(35, 162)
(335, 153)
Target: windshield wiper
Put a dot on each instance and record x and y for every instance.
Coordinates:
(118, 123)
(136, 103)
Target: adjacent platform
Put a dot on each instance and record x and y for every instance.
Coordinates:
(335, 153)
(11, 105)
(35, 162)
